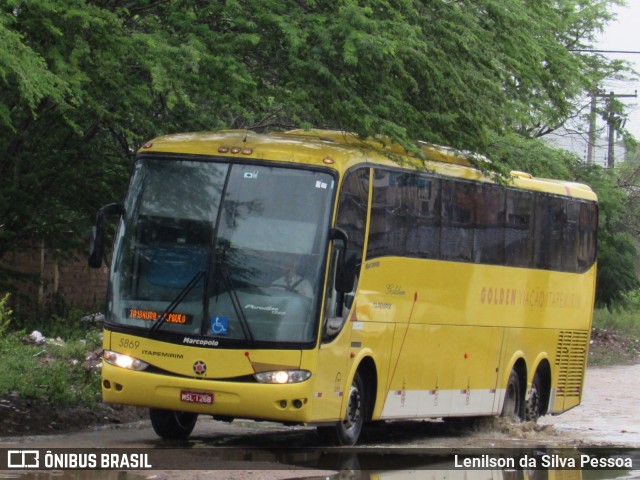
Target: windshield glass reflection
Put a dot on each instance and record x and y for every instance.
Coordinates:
(261, 282)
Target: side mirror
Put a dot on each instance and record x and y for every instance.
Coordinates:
(333, 326)
(345, 268)
(96, 251)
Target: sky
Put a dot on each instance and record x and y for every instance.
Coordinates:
(624, 34)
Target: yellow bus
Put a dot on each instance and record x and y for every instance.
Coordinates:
(312, 278)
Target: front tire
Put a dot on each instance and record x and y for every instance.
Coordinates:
(348, 431)
(513, 399)
(171, 424)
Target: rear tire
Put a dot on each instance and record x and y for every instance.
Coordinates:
(513, 399)
(348, 430)
(171, 424)
(534, 406)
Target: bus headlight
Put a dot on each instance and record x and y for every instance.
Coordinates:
(123, 361)
(283, 376)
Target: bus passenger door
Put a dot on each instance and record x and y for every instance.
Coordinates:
(346, 255)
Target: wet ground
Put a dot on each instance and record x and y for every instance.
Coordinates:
(608, 416)
(610, 409)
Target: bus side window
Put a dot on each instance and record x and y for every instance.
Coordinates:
(570, 237)
(458, 220)
(386, 226)
(518, 228)
(550, 221)
(490, 230)
(587, 225)
(352, 213)
(405, 215)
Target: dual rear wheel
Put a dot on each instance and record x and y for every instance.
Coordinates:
(515, 407)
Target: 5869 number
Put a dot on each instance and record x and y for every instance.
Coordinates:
(129, 343)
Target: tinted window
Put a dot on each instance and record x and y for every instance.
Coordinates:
(424, 232)
(419, 215)
(519, 228)
(405, 215)
(352, 212)
(587, 226)
(550, 223)
(458, 220)
(489, 227)
(570, 236)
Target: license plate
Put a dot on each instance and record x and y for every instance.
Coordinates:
(196, 397)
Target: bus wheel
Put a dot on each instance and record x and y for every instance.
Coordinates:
(171, 424)
(512, 408)
(348, 430)
(534, 402)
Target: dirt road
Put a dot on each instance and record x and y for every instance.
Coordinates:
(610, 409)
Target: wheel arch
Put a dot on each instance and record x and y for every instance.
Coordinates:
(365, 365)
(369, 374)
(519, 365)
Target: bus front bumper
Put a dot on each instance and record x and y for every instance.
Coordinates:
(281, 403)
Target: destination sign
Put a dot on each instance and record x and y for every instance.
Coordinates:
(152, 316)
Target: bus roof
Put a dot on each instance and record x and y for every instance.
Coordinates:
(342, 150)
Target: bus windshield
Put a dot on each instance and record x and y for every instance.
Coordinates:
(229, 251)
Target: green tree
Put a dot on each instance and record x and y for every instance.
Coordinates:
(617, 241)
(84, 82)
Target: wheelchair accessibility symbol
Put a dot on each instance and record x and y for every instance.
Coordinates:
(219, 326)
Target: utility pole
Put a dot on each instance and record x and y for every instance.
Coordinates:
(612, 122)
(591, 143)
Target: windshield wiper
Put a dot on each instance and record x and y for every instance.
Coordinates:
(176, 301)
(237, 306)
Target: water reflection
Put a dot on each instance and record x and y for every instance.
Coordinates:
(69, 475)
(368, 463)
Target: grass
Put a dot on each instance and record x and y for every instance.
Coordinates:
(615, 338)
(52, 372)
(621, 320)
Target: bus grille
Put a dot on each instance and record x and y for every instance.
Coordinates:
(570, 361)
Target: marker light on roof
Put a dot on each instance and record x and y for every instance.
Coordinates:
(328, 161)
(223, 149)
(247, 151)
(235, 149)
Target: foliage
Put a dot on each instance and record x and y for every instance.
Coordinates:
(84, 82)
(616, 332)
(71, 324)
(6, 314)
(617, 244)
(514, 152)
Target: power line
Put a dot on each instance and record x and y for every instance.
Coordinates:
(612, 119)
(626, 52)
